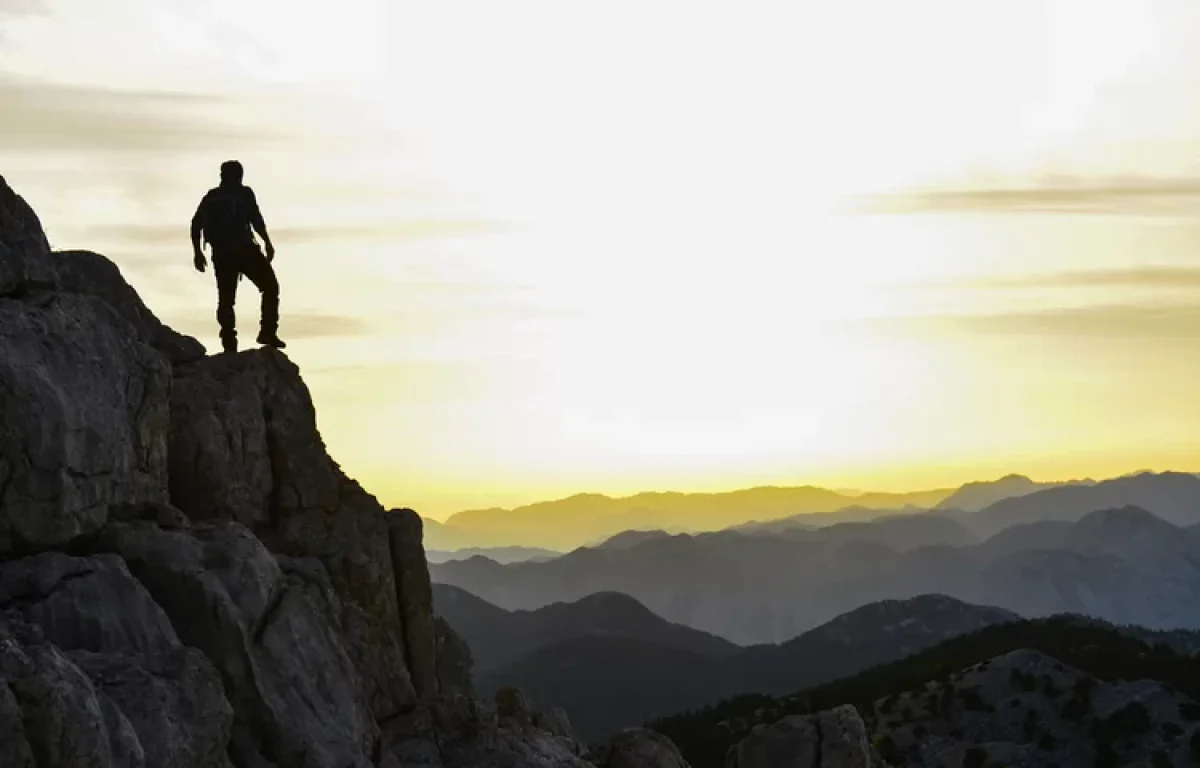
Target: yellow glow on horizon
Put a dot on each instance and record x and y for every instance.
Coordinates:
(597, 246)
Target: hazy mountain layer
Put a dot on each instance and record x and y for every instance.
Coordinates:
(1125, 565)
(587, 518)
(611, 664)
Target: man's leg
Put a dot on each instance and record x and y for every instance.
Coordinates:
(256, 267)
(226, 270)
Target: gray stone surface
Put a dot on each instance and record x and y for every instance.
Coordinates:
(65, 721)
(86, 603)
(174, 701)
(835, 738)
(414, 595)
(643, 748)
(84, 408)
(274, 637)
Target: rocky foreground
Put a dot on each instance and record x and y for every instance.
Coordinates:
(188, 580)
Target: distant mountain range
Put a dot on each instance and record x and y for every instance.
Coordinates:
(611, 663)
(501, 555)
(498, 637)
(1065, 549)
(588, 518)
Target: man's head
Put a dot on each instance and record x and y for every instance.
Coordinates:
(231, 172)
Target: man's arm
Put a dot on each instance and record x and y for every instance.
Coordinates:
(260, 226)
(197, 225)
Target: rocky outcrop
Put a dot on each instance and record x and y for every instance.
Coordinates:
(244, 446)
(414, 595)
(88, 273)
(640, 748)
(24, 249)
(836, 738)
(187, 579)
(453, 658)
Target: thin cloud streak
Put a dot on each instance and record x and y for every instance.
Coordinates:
(1149, 196)
(300, 324)
(166, 235)
(1148, 276)
(1158, 323)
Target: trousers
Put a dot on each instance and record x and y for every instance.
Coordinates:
(230, 262)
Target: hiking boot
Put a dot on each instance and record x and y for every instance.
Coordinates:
(271, 340)
(229, 347)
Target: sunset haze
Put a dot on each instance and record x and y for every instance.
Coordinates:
(531, 249)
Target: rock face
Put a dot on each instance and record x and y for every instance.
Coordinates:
(836, 738)
(641, 748)
(187, 579)
(85, 411)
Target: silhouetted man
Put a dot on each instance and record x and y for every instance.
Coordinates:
(226, 215)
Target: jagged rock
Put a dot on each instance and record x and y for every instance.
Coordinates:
(512, 703)
(245, 446)
(555, 722)
(90, 273)
(65, 721)
(174, 701)
(643, 748)
(91, 604)
(414, 596)
(24, 250)
(275, 637)
(454, 662)
(84, 409)
(835, 738)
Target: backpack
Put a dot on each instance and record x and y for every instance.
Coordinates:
(226, 217)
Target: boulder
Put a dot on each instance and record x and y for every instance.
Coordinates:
(273, 632)
(513, 704)
(641, 748)
(555, 722)
(835, 738)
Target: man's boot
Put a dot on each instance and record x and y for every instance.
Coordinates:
(270, 339)
(229, 343)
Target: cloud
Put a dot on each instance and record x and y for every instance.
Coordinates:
(1140, 196)
(171, 235)
(1135, 277)
(44, 116)
(1160, 322)
(23, 8)
(300, 325)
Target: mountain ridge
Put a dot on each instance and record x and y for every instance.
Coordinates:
(613, 673)
(746, 587)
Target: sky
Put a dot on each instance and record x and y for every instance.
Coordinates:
(529, 249)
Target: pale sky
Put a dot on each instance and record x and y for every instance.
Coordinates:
(529, 249)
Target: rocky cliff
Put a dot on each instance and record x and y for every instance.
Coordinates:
(188, 580)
